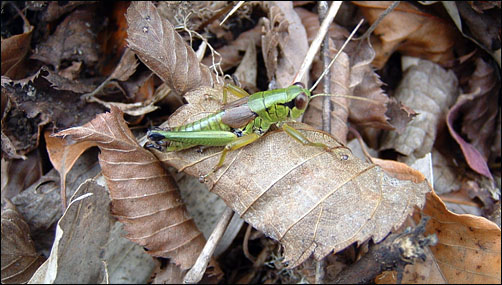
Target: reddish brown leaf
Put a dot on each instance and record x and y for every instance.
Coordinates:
(143, 194)
(162, 49)
(410, 31)
(19, 257)
(14, 49)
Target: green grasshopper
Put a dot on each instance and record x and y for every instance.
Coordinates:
(241, 122)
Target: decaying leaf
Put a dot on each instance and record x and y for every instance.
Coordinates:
(144, 196)
(81, 234)
(19, 257)
(468, 249)
(72, 40)
(410, 31)
(478, 112)
(14, 49)
(35, 104)
(63, 157)
(230, 54)
(363, 82)
(162, 49)
(20, 174)
(430, 90)
(309, 199)
(284, 30)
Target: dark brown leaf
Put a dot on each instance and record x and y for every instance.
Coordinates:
(73, 40)
(19, 257)
(144, 196)
(14, 49)
(161, 48)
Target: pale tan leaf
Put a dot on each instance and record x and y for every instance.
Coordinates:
(429, 90)
(311, 200)
(162, 49)
(144, 196)
(19, 257)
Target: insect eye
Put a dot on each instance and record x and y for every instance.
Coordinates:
(301, 101)
(299, 84)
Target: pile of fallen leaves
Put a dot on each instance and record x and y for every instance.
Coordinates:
(407, 188)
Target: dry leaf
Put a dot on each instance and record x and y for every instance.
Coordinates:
(144, 196)
(63, 156)
(230, 53)
(73, 40)
(410, 31)
(161, 48)
(293, 193)
(81, 234)
(20, 174)
(363, 82)
(429, 90)
(284, 44)
(126, 67)
(19, 257)
(478, 113)
(468, 250)
(14, 49)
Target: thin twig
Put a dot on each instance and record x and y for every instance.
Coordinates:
(316, 43)
(326, 104)
(235, 8)
(195, 274)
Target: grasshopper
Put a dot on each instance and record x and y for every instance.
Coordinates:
(243, 121)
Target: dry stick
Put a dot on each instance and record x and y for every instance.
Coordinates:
(316, 43)
(195, 274)
(326, 112)
(235, 8)
(326, 106)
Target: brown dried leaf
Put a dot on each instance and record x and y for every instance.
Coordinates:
(81, 235)
(162, 49)
(63, 156)
(59, 82)
(363, 82)
(468, 250)
(126, 67)
(144, 196)
(21, 173)
(284, 44)
(19, 257)
(311, 200)
(429, 90)
(410, 31)
(477, 112)
(73, 40)
(14, 49)
(230, 56)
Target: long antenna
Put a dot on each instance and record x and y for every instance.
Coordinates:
(336, 56)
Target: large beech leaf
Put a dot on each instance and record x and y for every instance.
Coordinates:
(144, 196)
(310, 199)
(162, 49)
